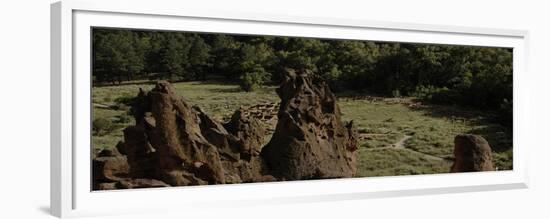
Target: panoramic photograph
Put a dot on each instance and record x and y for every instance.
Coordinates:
(186, 108)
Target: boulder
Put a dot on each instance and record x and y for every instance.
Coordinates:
(310, 140)
(472, 153)
(108, 168)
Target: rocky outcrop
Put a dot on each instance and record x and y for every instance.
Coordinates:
(176, 144)
(310, 140)
(179, 144)
(472, 153)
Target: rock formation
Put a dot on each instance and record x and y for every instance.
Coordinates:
(179, 144)
(310, 140)
(472, 153)
(176, 144)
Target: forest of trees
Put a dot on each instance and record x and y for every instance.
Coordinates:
(478, 77)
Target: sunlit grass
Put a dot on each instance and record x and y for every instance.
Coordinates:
(393, 162)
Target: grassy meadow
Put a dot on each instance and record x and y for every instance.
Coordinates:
(399, 136)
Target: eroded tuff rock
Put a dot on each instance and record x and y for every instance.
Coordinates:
(108, 168)
(249, 132)
(176, 144)
(179, 144)
(472, 153)
(310, 139)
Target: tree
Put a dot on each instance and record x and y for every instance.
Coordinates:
(449, 74)
(199, 58)
(253, 79)
(252, 62)
(153, 54)
(174, 56)
(355, 62)
(135, 55)
(115, 57)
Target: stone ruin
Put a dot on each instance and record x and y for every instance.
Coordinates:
(176, 144)
(265, 113)
(472, 153)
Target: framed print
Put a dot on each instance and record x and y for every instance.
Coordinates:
(158, 106)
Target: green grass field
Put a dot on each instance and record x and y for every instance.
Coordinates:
(430, 129)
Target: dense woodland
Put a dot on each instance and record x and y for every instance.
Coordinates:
(470, 76)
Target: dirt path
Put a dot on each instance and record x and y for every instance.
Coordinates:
(400, 145)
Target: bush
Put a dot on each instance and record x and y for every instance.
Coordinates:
(250, 81)
(126, 100)
(123, 119)
(101, 125)
(424, 92)
(438, 95)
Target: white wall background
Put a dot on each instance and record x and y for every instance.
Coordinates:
(24, 110)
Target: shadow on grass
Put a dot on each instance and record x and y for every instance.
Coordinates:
(226, 90)
(497, 137)
(216, 81)
(486, 123)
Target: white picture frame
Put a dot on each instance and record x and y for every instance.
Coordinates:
(70, 98)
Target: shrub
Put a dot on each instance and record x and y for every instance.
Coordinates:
(439, 95)
(126, 100)
(124, 119)
(250, 81)
(424, 92)
(101, 125)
